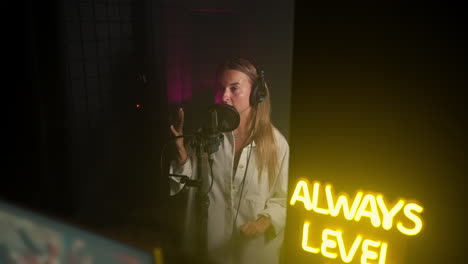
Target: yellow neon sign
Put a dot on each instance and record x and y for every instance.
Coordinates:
(328, 243)
(333, 246)
(342, 202)
(363, 205)
(367, 205)
(305, 238)
(315, 197)
(373, 214)
(304, 198)
(388, 215)
(415, 218)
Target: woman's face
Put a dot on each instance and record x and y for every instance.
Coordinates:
(233, 88)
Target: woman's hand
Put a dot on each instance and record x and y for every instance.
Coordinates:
(177, 129)
(255, 228)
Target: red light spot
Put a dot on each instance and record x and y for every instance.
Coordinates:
(138, 106)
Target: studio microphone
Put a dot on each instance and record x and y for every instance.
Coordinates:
(220, 118)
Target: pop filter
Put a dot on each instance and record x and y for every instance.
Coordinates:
(227, 117)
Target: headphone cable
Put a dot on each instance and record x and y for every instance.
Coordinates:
(242, 187)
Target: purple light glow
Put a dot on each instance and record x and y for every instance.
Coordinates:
(178, 74)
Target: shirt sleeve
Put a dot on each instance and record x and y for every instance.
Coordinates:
(174, 182)
(275, 207)
(180, 169)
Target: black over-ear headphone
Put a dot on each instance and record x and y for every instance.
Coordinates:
(259, 90)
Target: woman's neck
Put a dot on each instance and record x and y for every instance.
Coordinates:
(244, 124)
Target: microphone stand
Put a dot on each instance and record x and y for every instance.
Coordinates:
(202, 201)
(207, 141)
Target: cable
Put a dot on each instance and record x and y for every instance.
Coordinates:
(210, 161)
(245, 174)
(242, 188)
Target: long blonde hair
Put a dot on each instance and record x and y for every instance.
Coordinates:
(261, 127)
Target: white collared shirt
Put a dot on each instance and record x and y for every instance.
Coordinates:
(224, 245)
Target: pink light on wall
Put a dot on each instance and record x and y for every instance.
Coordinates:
(178, 72)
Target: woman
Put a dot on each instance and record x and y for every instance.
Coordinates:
(247, 210)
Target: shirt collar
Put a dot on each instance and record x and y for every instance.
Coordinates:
(231, 135)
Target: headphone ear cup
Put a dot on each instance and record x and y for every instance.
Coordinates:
(258, 92)
(253, 95)
(261, 92)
